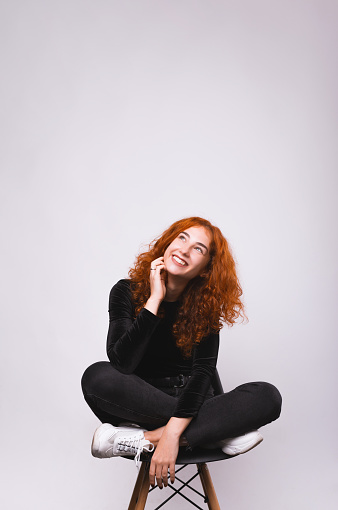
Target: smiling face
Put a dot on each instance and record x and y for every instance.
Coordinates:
(188, 254)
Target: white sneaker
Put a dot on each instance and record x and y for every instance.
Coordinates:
(241, 444)
(110, 441)
(237, 445)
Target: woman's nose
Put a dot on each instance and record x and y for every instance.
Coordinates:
(185, 250)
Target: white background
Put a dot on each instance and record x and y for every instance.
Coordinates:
(118, 118)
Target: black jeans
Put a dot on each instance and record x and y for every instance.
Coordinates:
(115, 397)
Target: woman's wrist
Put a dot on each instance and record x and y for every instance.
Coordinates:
(153, 305)
(176, 426)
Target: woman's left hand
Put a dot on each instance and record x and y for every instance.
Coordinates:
(164, 459)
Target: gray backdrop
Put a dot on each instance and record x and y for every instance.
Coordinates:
(117, 119)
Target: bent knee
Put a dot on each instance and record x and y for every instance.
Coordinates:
(273, 400)
(93, 377)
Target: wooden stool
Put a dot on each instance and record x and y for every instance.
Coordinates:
(198, 456)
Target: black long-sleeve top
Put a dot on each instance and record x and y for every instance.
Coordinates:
(145, 346)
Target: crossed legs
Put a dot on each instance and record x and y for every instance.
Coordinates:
(115, 397)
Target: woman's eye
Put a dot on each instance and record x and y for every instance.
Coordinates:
(199, 249)
(181, 237)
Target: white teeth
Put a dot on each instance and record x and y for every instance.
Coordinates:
(179, 260)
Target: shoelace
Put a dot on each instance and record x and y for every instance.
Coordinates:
(133, 446)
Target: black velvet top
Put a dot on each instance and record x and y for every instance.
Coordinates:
(146, 347)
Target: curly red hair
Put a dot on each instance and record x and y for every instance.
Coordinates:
(209, 300)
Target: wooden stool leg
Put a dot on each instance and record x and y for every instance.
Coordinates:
(208, 487)
(141, 489)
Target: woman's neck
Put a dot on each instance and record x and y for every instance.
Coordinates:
(174, 289)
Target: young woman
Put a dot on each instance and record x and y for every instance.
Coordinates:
(162, 347)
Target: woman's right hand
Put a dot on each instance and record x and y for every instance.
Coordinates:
(157, 285)
(157, 279)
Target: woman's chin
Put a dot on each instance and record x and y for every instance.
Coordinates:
(178, 276)
(174, 271)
